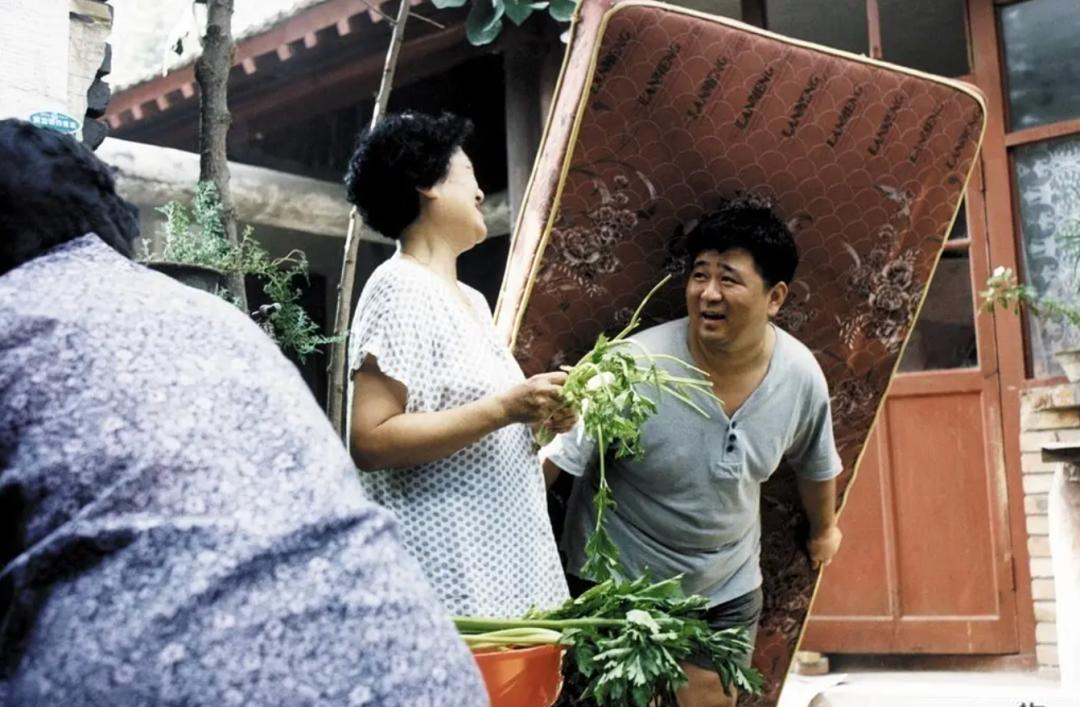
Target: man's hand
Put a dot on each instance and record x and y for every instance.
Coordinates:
(561, 419)
(823, 545)
(819, 502)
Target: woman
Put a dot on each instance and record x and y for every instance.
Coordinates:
(179, 524)
(441, 411)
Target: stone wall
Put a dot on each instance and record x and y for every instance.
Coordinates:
(89, 61)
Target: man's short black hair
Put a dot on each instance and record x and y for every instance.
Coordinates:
(747, 222)
(53, 190)
(403, 153)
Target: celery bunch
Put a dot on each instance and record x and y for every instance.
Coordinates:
(606, 388)
(625, 641)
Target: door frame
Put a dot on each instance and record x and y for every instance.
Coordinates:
(1003, 241)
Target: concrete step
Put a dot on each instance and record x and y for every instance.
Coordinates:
(926, 689)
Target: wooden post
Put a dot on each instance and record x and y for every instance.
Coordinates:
(212, 75)
(522, 67)
(753, 13)
(338, 388)
(873, 22)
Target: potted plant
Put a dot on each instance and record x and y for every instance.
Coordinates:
(196, 251)
(1003, 290)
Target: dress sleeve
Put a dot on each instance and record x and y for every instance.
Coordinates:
(393, 324)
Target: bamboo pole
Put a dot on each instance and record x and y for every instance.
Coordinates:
(339, 352)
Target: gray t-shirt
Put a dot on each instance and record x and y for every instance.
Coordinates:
(691, 504)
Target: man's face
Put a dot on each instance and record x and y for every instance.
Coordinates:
(727, 300)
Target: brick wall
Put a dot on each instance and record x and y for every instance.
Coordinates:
(1048, 414)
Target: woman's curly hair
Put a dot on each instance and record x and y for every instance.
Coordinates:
(402, 153)
(53, 190)
(748, 221)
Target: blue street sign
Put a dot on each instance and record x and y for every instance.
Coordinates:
(52, 120)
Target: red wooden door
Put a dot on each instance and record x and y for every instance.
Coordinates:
(926, 564)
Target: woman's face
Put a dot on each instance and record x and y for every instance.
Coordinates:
(455, 203)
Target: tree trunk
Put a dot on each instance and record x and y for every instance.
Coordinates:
(337, 395)
(212, 75)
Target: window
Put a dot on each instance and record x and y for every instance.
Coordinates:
(929, 35)
(838, 23)
(1042, 64)
(1042, 77)
(1047, 178)
(723, 8)
(944, 335)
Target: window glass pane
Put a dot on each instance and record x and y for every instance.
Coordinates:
(837, 23)
(959, 229)
(1048, 192)
(1042, 64)
(928, 35)
(724, 8)
(944, 335)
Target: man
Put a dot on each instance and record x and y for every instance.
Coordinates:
(691, 505)
(180, 525)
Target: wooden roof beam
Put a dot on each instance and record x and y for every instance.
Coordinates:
(308, 22)
(150, 176)
(349, 75)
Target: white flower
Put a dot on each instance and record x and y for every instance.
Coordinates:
(600, 380)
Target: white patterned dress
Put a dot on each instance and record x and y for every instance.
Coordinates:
(477, 520)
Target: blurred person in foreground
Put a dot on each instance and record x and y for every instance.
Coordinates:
(179, 523)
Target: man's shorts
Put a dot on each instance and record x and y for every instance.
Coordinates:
(742, 611)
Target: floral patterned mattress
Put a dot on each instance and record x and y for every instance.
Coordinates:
(659, 113)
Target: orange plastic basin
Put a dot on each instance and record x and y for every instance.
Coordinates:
(522, 677)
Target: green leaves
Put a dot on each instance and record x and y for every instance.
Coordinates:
(562, 10)
(607, 388)
(1004, 291)
(517, 11)
(626, 641)
(196, 236)
(484, 21)
(603, 555)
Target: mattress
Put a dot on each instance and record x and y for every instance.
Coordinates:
(661, 112)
